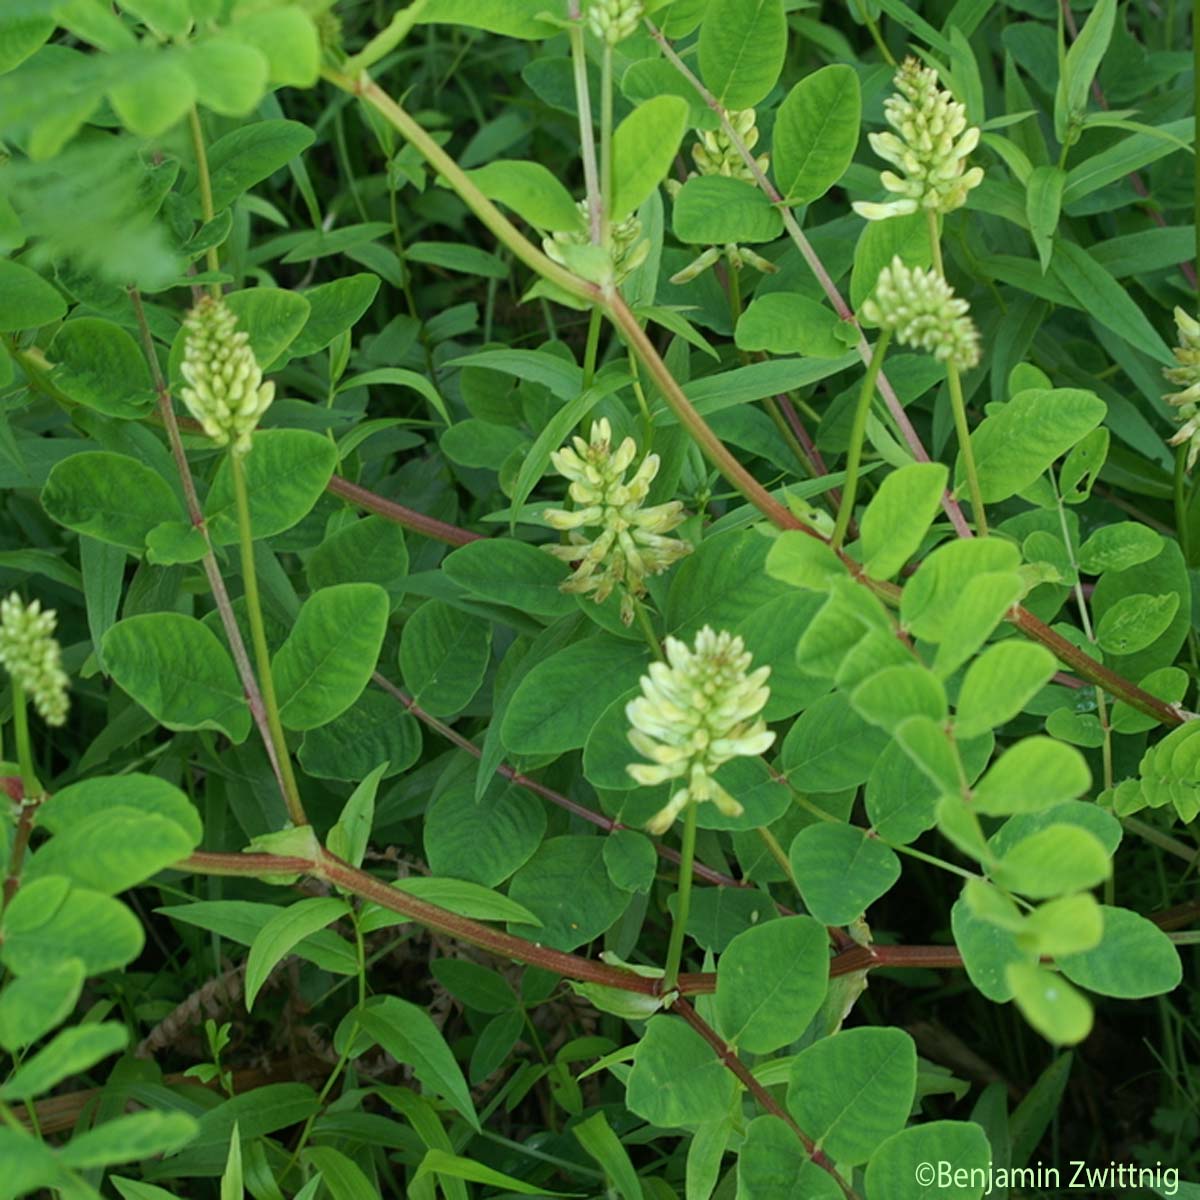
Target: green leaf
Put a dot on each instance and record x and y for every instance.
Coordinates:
(909, 1164)
(1133, 959)
(271, 317)
(714, 210)
(155, 96)
(1099, 295)
(998, 685)
(1050, 1004)
(34, 1003)
(676, 1078)
(348, 838)
(831, 747)
(1043, 202)
(288, 39)
(511, 572)
(643, 148)
(100, 366)
(484, 842)
(816, 133)
(789, 323)
(1054, 861)
(229, 76)
(475, 986)
(27, 301)
(280, 934)
(48, 921)
(558, 702)
(906, 236)
(286, 472)
(804, 561)
(854, 1090)
(1135, 622)
(454, 256)
(248, 155)
(112, 850)
(566, 886)
(343, 1177)
(374, 729)
(899, 516)
(72, 1052)
(841, 870)
(410, 1037)
(931, 597)
(532, 191)
(444, 653)
(896, 694)
(440, 1163)
(774, 1165)
(327, 660)
(1035, 773)
(467, 899)
(1080, 65)
(1068, 925)
(175, 668)
(112, 497)
(1118, 547)
(128, 1139)
(336, 306)
(1015, 445)
(742, 48)
(771, 981)
(987, 950)
(370, 550)
(630, 859)
(595, 1135)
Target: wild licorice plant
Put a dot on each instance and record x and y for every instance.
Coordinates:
(542, 644)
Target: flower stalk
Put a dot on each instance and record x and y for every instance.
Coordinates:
(858, 432)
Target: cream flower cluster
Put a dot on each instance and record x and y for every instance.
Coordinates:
(716, 154)
(225, 391)
(32, 657)
(629, 542)
(697, 711)
(921, 309)
(627, 249)
(930, 145)
(1187, 375)
(612, 21)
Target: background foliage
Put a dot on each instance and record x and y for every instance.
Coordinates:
(970, 847)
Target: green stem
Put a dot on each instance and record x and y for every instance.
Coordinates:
(877, 38)
(647, 628)
(204, 186)
(587, 135)
(606, 131)
(858, 433)
(595, 320)
(30, 788)
(683, 899)
(258, 636)
(958, 404)
(1181, 507)
(778, 853)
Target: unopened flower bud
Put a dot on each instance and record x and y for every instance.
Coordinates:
(32, 657)
(921, 309)
(614, 20)
(225, 391)
(1186, 401)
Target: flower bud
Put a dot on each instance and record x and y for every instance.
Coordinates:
(921, 309)
(32, 657)
(930, 146)
(1186, 401)
(225, 390)
(697, 711)
(612, 21)
(629, 544)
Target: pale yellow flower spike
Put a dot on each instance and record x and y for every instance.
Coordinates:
(1187, 375)
(612, 21)
(920, 307)
(930, 146)
(225, 391)
(697, 711)
(630, 541)
(32, 657)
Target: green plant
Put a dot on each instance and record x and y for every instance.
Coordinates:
(566, 832)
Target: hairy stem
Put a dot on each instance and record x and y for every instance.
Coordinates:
(858, 433)
(30, 788)
(258, 635)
